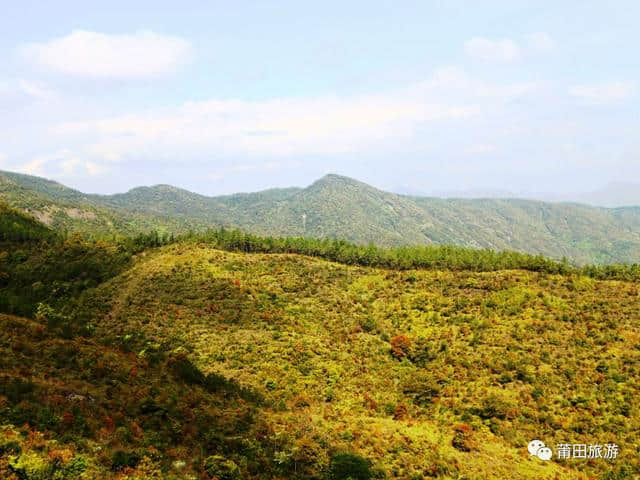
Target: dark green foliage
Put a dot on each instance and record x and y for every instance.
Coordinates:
(187, 371)
(122, 459)
(16, 389)
(405, 258)
(422, 388)
(10, 448)
(212, 382)
(17, 227)
(346, 466)
(221, 468)
(622, 472)
(100, 394)
(55, 272)
(494, 406)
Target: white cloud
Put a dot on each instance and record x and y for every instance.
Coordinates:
(540, 42)
(479, 149)
(501, 50)
(41, 164)
(94, 168)
(33, 167)
(73, 166)
(95, 54)
(61, 163)
(35, 90)
(273, 127)
(453, 79)
(253, 167)
(290, 127)
(3, 159)
(16, 88)
(508, 50)
(603, 92)
(69, 165)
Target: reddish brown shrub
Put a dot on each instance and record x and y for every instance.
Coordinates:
(463, 438)
(401, 412)
(400, 345)
(370, 402)
(67, 419)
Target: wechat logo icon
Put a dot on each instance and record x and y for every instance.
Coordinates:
(539, 449)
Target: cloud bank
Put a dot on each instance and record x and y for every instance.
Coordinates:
(503, 50)
(507, 50)
(497, 118)
(326, 125)
(93, 54)
(603, 92)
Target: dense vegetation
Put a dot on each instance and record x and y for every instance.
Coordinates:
(339, 207)
(442, 374)
(55, 269)
(439, 257)
(231, 356)
(67, 211)
(74, 409)
(15, 226)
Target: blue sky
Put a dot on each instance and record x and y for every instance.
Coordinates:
(220, 97)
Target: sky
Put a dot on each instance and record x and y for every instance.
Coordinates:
(221, 97)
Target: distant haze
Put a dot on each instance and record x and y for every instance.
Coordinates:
(617, 194)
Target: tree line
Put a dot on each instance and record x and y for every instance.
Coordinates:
(434, 257)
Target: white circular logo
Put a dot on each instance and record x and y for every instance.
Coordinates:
(534, 445)
(539, 449)
(544, 453)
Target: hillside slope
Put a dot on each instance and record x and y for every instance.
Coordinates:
(16, 226)
(428, 373)
(340, 207)
(75, 409)
(65, 209)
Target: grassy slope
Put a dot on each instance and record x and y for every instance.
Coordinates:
(74, 409)
(344, 208)
(512, 355)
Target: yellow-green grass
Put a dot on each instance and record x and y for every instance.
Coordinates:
(511, 355)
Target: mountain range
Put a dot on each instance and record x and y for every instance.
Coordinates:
(230, 356)
(340, 207)
(615, 194)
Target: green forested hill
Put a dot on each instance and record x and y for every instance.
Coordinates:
(66, 210)
(231, 356)
(340, 207)
(187, 361)
(429, 374)
(16, 226)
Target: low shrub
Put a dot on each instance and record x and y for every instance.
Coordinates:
(349, 466)
(221, 468)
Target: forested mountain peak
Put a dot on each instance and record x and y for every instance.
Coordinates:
(336, 206)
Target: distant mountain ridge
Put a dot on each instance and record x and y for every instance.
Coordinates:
(341, 207)
(616, 194)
